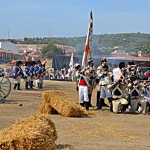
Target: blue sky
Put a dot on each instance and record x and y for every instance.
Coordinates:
(69, 18)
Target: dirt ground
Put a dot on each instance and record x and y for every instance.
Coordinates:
(102, 131)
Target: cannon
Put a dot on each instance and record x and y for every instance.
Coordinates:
(5, 85)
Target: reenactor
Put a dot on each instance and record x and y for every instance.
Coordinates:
(102, 66)
(69, 74)
(146, 93)
(17, 75)
(147, 73)
(27, 75)
(40, 76)
(83, 83)
(90, 72)
(58, 74)
(105, 78)
(100, 69)
(119, 89)
(32, 73)
(133, 71)
(136, 89)
(73, 74)
(36, 69)
(51, 74)
(63, 73)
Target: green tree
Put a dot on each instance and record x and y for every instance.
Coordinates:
(50, 49)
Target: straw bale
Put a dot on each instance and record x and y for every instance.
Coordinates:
(62, 104)
(33, 133)
(46, 108)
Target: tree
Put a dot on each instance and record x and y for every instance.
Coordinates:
(50, 49)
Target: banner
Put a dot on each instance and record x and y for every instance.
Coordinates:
(88, 45)
(71, 59)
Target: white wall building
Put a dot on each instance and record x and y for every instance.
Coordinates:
(9, 46)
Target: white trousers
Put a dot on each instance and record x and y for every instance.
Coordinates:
(40, 80)
(28, 78)
(83, 94)
(105, 92)
(116, 104)
(134, 104)
(18, 79)
(36, 83)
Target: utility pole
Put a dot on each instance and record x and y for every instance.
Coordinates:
(5, 34)
(8, 34)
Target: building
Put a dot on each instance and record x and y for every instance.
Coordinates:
(7, 55)
(9, 46)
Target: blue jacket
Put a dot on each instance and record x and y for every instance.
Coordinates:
(31, 70)
(18, 71)
(26, 71)
(36, 68)
(40, 71)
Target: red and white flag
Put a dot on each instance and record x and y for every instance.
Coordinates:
(71, 59)
(88, 45)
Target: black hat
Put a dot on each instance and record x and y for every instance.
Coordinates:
(18, 63)
(27, 63)
(131, 63)
(104, 60)
(122, 65)
(77, 66)
(33, 63)
(90, 61)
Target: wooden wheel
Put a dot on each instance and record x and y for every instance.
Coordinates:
(5, 87)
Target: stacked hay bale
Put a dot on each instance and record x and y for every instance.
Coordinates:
(33, 133)
(45, 107)
(59, 101)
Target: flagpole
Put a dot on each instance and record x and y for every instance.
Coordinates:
(71, 59)
(88, 45)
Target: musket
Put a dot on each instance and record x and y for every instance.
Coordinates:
(145, 80)
(139, 66)
(144, 67)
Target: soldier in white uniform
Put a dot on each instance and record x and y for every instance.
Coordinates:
(119, 90)
(136, 89)
(146, 92)
(83, 84)
(99, 70)
(104, 80)
(90, 72)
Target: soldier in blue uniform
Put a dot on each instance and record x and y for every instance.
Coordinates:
(32, 73)
(27, 75)
(36, 69)
(40, 75)
(17, 75)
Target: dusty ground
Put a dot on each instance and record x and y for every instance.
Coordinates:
(102, 131)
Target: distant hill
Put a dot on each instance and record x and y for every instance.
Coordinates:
(102, 44)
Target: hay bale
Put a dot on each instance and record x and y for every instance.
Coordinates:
(33, 133)
(46, 108)
(62, 104)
